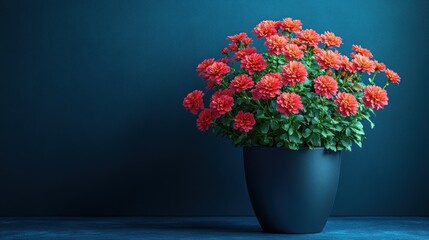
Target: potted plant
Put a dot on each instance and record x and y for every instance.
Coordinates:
(293, 109)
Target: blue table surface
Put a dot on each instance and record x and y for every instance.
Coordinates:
(205, 228)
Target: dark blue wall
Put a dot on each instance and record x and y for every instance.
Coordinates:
(92, 124)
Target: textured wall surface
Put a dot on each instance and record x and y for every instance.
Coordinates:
(92, 123)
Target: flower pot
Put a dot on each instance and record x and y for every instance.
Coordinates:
(292, 191)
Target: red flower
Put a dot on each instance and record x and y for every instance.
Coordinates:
(268, 87)
(201, 68)
(328, 59)
(216, 71)
(241, 83)
(224, 51)
(253, 63)
(309, 36)
(265, 29)
(244, 121)
(296, 41)
(288, 103)
(392, 76)
(194, 101)
(247, 41)
(222, 104)
(379, 66)
(346, 104)
(317, 50)
(375, 97)
(330, 40)
(325, 86)
(222, 92)
(233, 47)
(346, 64)
(276, 44)
(237, 37)
(363, 63)
(292, 51)
(205, 119)
(291, 25)
(244, 52)
(362, 51)
(294, 72)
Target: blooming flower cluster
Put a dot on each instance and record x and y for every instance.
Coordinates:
(300, 92)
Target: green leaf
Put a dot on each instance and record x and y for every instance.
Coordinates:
(290, 131)
(285, 127)
(315, 120)
(299, 118)
(348, 132)
(358, 125)
(239, 139)
(306, 133)
(331, 145)
(346, 143)
(265, 127)
(338, 128)
(260, 114)
(369, 120)
(274, 125)
(315, 139)
(295, 138)
(283, 137)
(293, 146)
(359, 143)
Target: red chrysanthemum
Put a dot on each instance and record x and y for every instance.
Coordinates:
(224, 51)
(328, 59)
(325, 86)
(309, 36)
(244, 52)
(237, 37)
(330, 40)
(217, 94)
(244, 121)
(292, 51)
(241, 83)
(346, 64)
(379, 66)
(216, 71)
(247, 41)
(201, 68)
(224, 60)
(194, 101)
(222, 104)
(233, 47)
(288, 103)
(268, 87)
(294, 72)
(265, 29)
(291, 25)
(392, 76)
(253, 63)
(205, 119)
(300, 44)
(362, 51)
(346, 104)
(363, 63)
(276, 44)
(375, 97)
(317, 50)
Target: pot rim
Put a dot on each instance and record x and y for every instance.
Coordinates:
(314, 148)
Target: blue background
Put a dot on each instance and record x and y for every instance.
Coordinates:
(92, 123)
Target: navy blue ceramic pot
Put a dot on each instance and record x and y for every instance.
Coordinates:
(292, 191)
